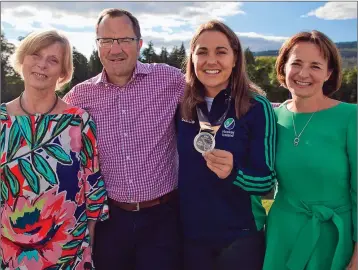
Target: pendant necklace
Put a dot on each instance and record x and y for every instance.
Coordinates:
(296, 141)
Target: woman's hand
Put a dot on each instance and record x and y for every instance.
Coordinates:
(353, 265)
(220, 162)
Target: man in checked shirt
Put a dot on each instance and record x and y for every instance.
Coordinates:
(133, 105)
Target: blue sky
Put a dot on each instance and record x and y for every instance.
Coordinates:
(260, 25)
(285, 18)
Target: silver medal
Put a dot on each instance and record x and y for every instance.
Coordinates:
(204, 142)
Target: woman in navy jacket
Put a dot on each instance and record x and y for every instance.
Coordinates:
(226, 145)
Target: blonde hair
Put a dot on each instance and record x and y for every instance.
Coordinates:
(38, 40)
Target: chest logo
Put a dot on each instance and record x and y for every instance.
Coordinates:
(229, 123)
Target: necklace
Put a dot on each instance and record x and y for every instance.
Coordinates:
(37, 114)
(297, 137)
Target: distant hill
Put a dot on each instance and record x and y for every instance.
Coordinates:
(347, 49)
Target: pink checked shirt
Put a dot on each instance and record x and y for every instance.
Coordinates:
(135, 130)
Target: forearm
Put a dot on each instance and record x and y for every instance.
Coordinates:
(255, 174)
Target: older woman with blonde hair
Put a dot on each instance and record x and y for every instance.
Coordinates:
(52, 192)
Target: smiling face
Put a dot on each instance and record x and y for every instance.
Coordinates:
(213, 60)
(306, 70)
(42, 69)
(119, 61)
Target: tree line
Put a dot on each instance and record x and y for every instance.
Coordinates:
(346, 49)
(261, 70)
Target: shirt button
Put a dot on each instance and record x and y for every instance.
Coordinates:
(128, 158)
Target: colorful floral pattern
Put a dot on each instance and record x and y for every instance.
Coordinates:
(50, 187)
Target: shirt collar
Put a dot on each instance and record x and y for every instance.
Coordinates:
(140, 69)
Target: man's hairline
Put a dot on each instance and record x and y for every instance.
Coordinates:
(116, 16)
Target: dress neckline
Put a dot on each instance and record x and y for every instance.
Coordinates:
(68, 111)
(284, 104)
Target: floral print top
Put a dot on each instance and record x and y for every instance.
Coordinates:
(50, 187)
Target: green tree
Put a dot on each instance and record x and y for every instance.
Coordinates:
(149, 55)
(348, 90)
(182, 56)
(350, 79)
(94, 65)
(7, 49)
(174, 57)
(249, 57)
(263, 74)
(80, 72)
(250, 63)
(11, 82)
(164, 56)
(80, 65)
(260, 73)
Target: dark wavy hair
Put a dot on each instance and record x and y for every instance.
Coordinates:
(241, 86)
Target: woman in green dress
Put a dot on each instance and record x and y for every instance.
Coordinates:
(312, 223)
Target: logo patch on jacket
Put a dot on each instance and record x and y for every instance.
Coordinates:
(229, 125)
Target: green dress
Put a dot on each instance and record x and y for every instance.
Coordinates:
(312, 222)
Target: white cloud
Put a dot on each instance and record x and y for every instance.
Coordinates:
(14, 41)
(168, 36)
(80, 14)
(203, 12)
(24, 18)
(335, 11)
(266, 37)
(84, 42)
(166, 24)
(29, 16)
(148, 21)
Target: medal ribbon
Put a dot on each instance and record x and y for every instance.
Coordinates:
(206, 126)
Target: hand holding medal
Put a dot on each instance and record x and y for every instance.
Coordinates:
(205, 140)
(220, 162)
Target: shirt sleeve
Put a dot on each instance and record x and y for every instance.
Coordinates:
(257, 176)
(352, 157)
(180, 86)
(70, 98)
(67, 98)
(95, 192)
